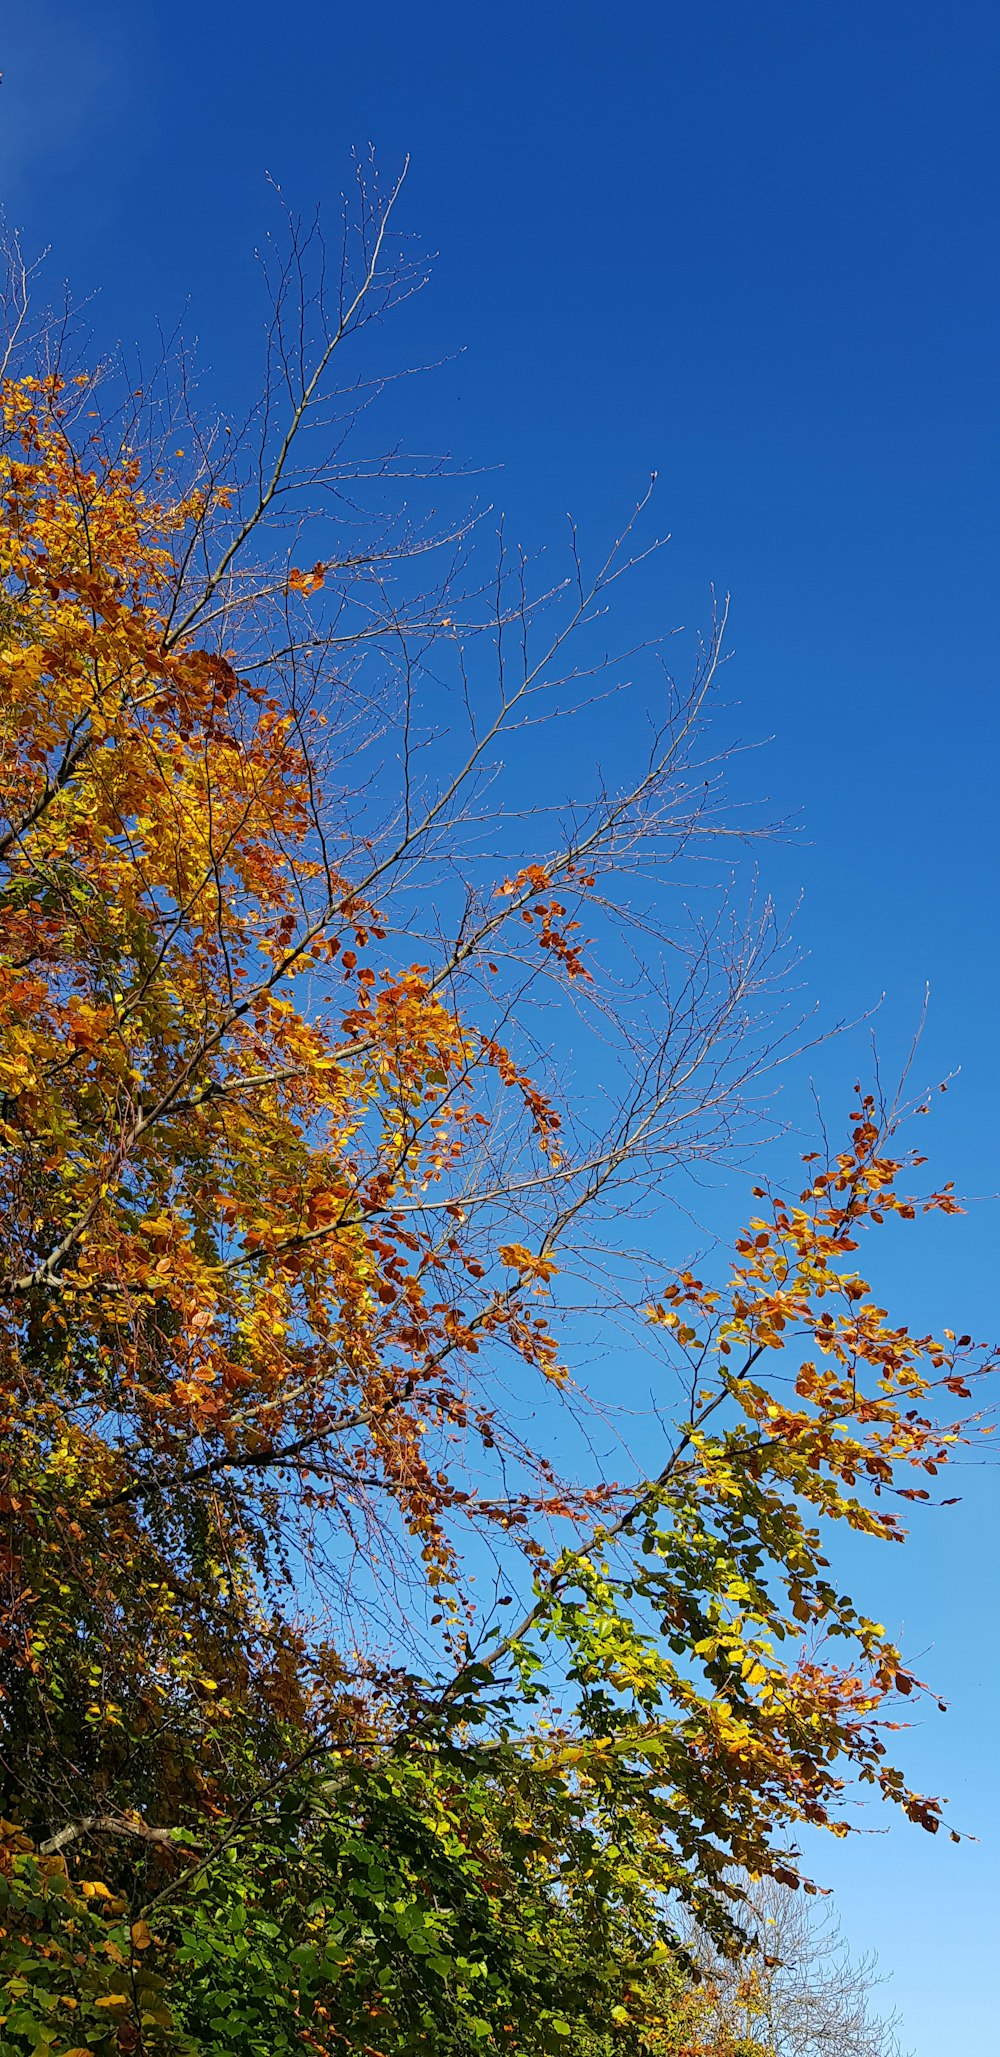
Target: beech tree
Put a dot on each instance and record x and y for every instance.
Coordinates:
(340, 1705)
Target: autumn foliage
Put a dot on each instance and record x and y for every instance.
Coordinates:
(291, 1242)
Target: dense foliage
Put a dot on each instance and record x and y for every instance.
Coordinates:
(286, 1214)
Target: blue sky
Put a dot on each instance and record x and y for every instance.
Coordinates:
(753, 247)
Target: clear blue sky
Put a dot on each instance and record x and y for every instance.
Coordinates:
(753, 246)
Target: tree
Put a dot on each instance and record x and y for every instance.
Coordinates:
(799, 1992)
(296, 1230)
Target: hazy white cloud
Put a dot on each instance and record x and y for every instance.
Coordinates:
(68, 71)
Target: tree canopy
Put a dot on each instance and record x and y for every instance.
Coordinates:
(346, 1701)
